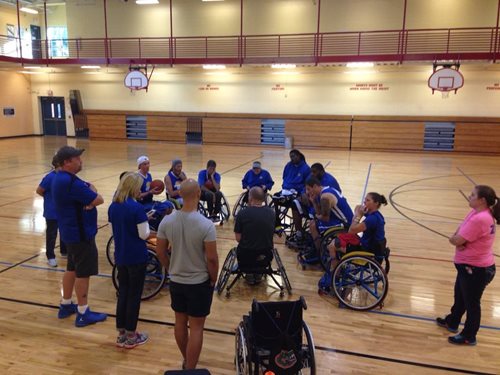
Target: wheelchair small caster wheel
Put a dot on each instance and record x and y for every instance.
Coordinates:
(282, 294)
(228, 294)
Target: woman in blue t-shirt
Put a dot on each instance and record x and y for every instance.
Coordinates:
(130, 230)
(373, 228)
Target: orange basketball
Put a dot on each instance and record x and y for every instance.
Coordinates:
(209, 184)
(157, 184)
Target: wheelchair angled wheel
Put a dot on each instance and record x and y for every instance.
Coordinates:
(326, 240)
(226, 271)
(307, 351)
(156, 277)
(359, 282)
(202, 210)
(282, 272)
(242, 360)
(240, 204)
(225, 212)
(110, 251)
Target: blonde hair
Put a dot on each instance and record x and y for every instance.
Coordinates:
(129, 187)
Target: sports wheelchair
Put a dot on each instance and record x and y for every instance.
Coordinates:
(273, 337)
(231, 267)
(283, 203)
(359, 280)
(156, 275)
(222, 216)
(242, 202)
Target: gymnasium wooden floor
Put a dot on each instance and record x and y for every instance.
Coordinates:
(426, 206)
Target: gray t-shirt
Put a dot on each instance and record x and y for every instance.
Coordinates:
(186, 232)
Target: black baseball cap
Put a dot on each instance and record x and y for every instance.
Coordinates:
(66, 153)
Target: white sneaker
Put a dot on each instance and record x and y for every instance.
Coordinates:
(52, 262)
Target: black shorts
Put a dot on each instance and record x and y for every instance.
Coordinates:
(192, 299)
(82, 258)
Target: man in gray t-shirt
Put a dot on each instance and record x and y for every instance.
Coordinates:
(193, 265)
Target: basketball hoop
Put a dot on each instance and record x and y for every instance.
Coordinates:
(137, 78)
(446, 79)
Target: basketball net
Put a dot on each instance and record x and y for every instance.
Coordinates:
(445, 94)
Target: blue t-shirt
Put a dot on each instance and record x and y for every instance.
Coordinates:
(176, 181)
(330, 181)
(146, 182)
(70, 195)
(124, 217)
(203, 179)
(49, 211)
(295, 176)
(375, 231)
(341, 213)
(263, 178)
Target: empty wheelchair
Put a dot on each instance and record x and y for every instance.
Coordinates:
(359, 280)
(260, 267)
(156, 275)
(242, 202)
(283, 205)
(274, 338)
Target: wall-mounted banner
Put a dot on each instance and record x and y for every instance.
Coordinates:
(495, 86)
(208, 88)
(369, 87)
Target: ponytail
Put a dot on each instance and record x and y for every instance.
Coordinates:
(489, 195)
(495, 210)
(378, 198)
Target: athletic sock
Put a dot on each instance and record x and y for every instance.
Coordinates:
(66, 301)
(82, 309)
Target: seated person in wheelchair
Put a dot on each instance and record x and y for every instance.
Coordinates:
(330, 209)
(373, 228)
(160, 209)
(295, 175)
(326, 179)
(254, 230)
(173, 181)
(304, 205)
(209, 181)
(256, 177)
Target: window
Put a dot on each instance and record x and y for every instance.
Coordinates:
(58, 41)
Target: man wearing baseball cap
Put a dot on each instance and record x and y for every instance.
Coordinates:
(75, 203)
(257, 177)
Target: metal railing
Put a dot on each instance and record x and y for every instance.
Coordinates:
(482, 43)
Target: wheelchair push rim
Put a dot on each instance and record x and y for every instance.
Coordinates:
(155, 278)
(226, 271)
(110, 251)
(360, 283)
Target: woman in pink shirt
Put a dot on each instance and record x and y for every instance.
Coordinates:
(475, 264)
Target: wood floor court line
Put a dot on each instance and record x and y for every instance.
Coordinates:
(330, 300)
(320, 348)
(421, 277)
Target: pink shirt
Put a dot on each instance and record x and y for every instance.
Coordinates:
(478, 229)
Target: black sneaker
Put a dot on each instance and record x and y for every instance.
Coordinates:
(442, 323)
(461, 340)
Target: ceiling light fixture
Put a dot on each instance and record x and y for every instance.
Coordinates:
(28, 10)
(146, 2)
(283, 66)
(33, 67)
(360, 65)
(90, 67)
(214, 66)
